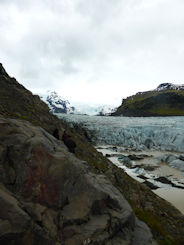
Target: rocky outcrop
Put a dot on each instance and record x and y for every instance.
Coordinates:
(48, 196)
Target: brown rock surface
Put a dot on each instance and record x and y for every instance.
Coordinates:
(57, 192)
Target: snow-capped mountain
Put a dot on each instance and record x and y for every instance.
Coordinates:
(164, 86)
(166, 100)
(57, 104)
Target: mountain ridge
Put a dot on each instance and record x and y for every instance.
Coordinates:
(165, 86)
(58, 104)
(166, 100)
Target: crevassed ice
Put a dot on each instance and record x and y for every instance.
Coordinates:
(159, 133)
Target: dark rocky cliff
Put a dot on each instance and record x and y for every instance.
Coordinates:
(49, 195)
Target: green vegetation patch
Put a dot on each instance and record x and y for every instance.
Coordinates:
(153, 103)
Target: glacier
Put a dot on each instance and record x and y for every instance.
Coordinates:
(135, 133)
(159, 140)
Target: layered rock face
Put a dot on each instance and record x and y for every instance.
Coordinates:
(48, 196)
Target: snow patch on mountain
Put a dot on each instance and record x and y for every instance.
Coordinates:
(164, 86)
(57, 104)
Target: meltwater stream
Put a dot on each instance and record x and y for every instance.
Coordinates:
(158, 140)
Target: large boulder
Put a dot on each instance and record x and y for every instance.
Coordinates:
(48, 196)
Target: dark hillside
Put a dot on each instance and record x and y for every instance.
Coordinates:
(166, 102)
(18, 102)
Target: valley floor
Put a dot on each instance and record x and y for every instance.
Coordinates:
(150, 149)
(148, 167)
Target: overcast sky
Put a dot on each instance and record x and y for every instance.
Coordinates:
(93, 50)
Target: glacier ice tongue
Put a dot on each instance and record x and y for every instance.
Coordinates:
(138, 134)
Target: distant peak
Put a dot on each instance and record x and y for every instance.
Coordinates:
(57, 104)
(164, 86)
(55, 95)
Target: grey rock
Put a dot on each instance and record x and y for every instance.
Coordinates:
(179, 164)
(61, 200)
(141, 235)
(13, 220)
(181, 157)
(150, 185)
(124, 159)
(164, 180)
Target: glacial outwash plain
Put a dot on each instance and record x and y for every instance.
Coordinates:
(56, 188)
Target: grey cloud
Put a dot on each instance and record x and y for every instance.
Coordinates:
(69, 68)
(99, 11)
(123, 42)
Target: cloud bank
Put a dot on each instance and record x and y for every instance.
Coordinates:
(95, 50)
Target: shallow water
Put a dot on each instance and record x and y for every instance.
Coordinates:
(173, 195)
